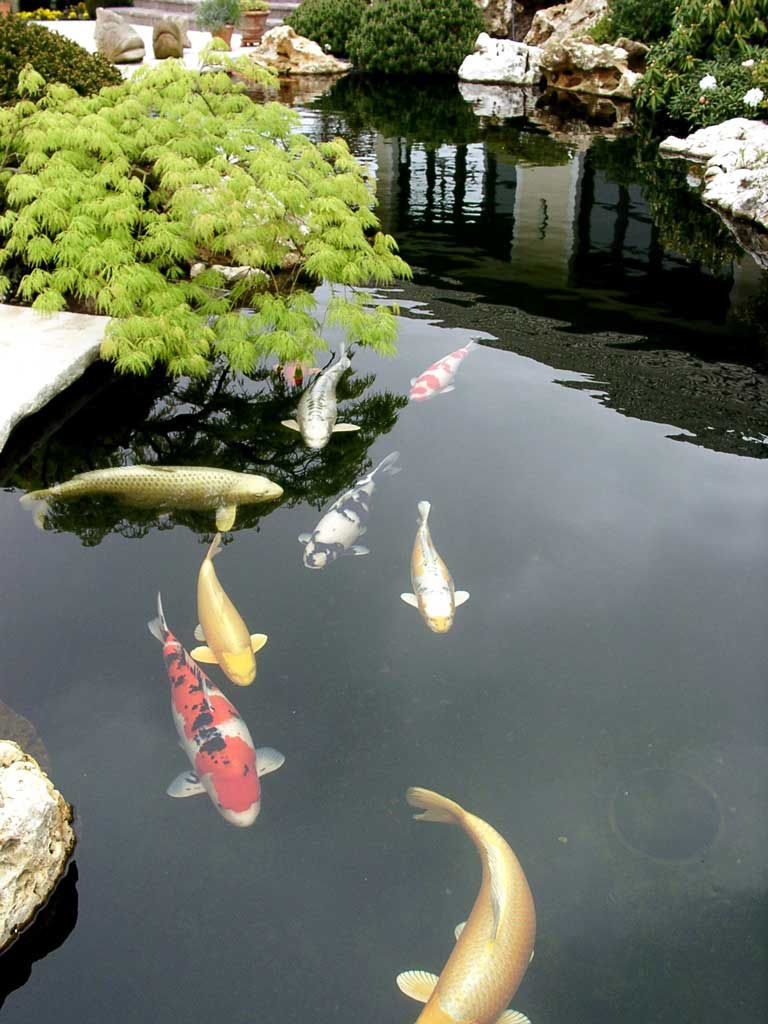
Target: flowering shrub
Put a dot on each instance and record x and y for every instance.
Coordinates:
(77, 13)
(710, 39)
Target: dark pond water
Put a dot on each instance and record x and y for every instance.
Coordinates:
(597, 485)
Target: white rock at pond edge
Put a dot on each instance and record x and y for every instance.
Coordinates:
(499, 101)
(36, 839)
(501, 61)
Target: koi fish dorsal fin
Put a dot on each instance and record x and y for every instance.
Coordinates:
(496, 870)
(513, 1017)
(419, 985)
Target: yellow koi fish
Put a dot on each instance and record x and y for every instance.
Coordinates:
(493, 947)
(221, 628)
(433, 595)
(163, 488)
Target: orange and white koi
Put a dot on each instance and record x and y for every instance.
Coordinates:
(494, 946)
(221, 628)
(437, 379)
(434, 595)
(225, 763)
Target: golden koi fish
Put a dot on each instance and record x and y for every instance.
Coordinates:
(162, 488)
(433, 595)
(493, 947)
(221, 628)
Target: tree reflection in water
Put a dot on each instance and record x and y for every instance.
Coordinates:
(223, 420)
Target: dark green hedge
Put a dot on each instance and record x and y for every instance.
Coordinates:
(328, 22)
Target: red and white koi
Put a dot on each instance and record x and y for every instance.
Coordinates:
(225, 763)
(434, 595)
(438, 378)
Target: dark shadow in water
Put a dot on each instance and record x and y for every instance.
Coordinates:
(223, 420)
(48, 931)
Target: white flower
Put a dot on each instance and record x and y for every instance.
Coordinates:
(753, 97)
(708, 82)
(747, 63)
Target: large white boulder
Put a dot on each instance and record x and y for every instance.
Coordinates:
(36, 839)
(735, 174)
(570, 20)
(502, 61)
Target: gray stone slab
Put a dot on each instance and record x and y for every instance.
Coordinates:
(40, 355)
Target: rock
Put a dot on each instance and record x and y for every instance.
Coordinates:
(291, 54)
(735, 174)
(167, 39)
(499, 16)
(588, 68)
(36, 839)
(116, 39)
(637, 53)
(498, 101)
(502, 60)
(565, 20)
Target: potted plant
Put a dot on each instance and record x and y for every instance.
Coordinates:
(253, 20)
(219, 17)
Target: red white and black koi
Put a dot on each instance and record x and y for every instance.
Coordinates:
(225, 764)
(345, 521)
(438, 378)
(317, 410)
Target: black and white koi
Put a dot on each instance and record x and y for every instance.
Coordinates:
(317, 410)
(344, 523)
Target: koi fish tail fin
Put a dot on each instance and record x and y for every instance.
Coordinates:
(388, 464)
(215, 547)
(158, 627)
(435, 807)
(37, 502)
(424, 507)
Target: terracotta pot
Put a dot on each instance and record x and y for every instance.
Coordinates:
(5, 6)
(253, 25)
(225, 33)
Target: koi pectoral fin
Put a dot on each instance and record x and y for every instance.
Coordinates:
(459, 929)
(199, 634)
(257, 641)
(186, 784)
(291, 424)
(342, 428)
(268, 760)
(419, 985)
(359, 549)
(513, 1017)
(410, 599)
(204, 654)
(305, 538)
(225, 517)
(460, 597)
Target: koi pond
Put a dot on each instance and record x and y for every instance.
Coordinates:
(595, 471)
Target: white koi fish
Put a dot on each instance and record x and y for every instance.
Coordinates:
(433, 595)
(344, 522)
(494, 946)
(317, 411)
(437, 379)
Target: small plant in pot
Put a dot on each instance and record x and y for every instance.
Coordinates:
(253, 20)
(219, 17)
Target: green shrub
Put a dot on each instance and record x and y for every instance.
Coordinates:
(56, 58)
(708, 37)
(328, 22)
(643, 20)
(408, 37)
(112, 203)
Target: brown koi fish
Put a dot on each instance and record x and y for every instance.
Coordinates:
(493, 947)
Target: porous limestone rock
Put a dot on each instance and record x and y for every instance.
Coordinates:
(167, 39)
(734, 156)
(36, 839)
(637, 53)
(502, 60)
(116, 39)
(288, 53)
(499, 102)
(568, 20)
(499, 16)
(587, 68)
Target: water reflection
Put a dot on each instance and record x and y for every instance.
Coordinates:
(228, 421)
(48, 931)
